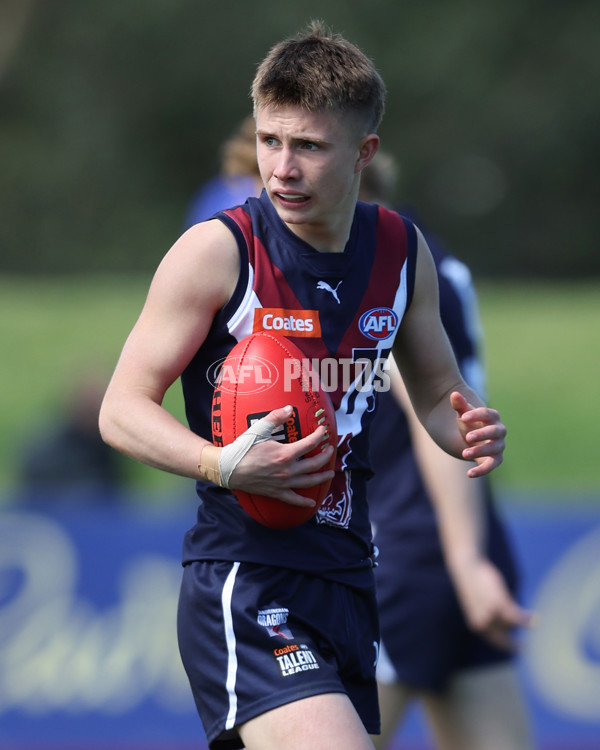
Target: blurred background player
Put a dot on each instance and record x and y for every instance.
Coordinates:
(64, 460)
(238, 178)
(447, 577)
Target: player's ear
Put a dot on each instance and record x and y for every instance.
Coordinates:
(367, 148)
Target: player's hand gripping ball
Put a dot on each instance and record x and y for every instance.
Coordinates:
(262, 372)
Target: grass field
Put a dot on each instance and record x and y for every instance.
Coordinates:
(542, 353)
(543, 358)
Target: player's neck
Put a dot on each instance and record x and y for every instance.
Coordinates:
(327, 237)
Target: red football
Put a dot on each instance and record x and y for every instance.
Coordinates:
(262, 372)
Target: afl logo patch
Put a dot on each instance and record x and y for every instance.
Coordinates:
(248, 374)
(378, 323)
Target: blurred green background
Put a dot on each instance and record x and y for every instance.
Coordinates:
(112, 114)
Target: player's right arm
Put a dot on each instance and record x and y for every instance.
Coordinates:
(194, 280)
(182, 300)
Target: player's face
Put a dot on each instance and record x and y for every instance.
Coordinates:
(310, 163)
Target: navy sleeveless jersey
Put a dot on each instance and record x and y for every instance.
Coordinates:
(403, 517)
(343, 311)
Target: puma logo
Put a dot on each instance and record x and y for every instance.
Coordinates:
(324, 285)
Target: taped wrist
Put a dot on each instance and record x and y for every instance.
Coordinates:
(208, 468)
(232, 454)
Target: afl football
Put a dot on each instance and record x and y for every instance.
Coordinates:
(266, 371)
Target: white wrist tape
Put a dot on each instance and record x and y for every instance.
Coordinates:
(232, 454)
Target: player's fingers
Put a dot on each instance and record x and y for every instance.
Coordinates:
(307, 471)
(476, 449)
(484, 449)
(292, 492)
(483, 414)
(518, 617)
(501, 637)
(496, 431)
(304, 481)
(291, 497)
(502, 631)
(307, 444)
(288, 493)
(279, 416)
(310, 464)
(484, 466)
(459, 403)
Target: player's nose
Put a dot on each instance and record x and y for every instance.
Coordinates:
(286, 167)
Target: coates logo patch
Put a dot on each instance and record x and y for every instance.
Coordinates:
(300, 323)
(274, 620)
(378, 323)
(295, 658)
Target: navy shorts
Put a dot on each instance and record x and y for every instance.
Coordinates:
(423, 630)
(254, 637)
(425, 639)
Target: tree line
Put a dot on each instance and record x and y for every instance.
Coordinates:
(113, 114)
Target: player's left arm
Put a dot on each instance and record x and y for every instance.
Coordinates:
(451, 412)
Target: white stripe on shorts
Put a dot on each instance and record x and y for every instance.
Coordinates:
(230, 640)
(386, 674)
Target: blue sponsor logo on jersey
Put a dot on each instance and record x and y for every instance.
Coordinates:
(378, 323)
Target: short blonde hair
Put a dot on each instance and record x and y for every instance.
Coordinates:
(319, 70)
